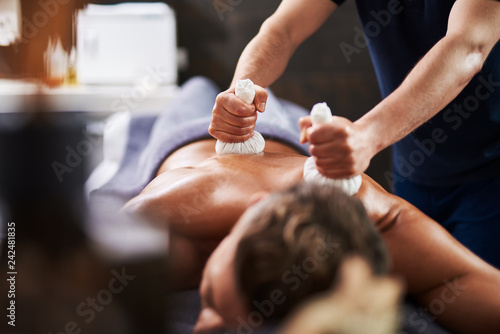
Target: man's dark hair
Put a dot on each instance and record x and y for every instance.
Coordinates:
(297, 242)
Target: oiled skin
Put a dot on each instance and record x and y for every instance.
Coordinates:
(201, 196)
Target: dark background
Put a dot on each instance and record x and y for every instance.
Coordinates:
(214, 39)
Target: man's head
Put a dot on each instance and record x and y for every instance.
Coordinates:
(284, 249)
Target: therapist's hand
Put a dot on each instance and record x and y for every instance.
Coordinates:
(233, 120)
(340, 148)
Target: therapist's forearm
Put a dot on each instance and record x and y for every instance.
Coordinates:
(434, 82)
(265, 58)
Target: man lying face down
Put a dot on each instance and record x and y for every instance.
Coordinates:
(292, 242)
(290, 245)
(285, 248)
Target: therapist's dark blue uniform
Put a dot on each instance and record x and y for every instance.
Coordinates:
(449, 167)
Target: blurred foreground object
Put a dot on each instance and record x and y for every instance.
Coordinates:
(62, 283)
(360, 304)
(10, 22)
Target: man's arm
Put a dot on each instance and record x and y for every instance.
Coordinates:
(434, 82)
(453, 284)
(263, 61)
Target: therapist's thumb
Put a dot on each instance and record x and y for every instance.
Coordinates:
(304, 124)
(260, 99)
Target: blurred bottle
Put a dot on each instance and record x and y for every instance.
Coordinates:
(56, 63)
(71, 75)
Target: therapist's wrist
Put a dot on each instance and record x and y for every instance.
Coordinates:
(372, 139)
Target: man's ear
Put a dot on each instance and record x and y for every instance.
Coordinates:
(257, 197)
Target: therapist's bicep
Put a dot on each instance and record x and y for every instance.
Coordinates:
(476, 22)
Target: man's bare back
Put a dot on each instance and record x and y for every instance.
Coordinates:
(200, 196)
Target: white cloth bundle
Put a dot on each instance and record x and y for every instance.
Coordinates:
(321, 114)
(245, 90)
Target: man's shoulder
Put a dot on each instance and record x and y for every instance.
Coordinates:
(381, 206)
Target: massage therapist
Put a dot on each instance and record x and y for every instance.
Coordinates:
(438, 67)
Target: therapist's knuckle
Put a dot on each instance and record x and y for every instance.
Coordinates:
(241, 131)
(220, 98)
(322, 163)
(345, 150)
(349, 160)
(313, 137)
(315, 150)
(211, 130)
(216, 120)
(214, 131)
(245, 111)
(217, 111)
(248, 121)
(212, 127)
(343, 133)
(350, 169)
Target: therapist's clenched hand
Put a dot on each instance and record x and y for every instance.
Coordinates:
(340, 148)
(233, 120)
